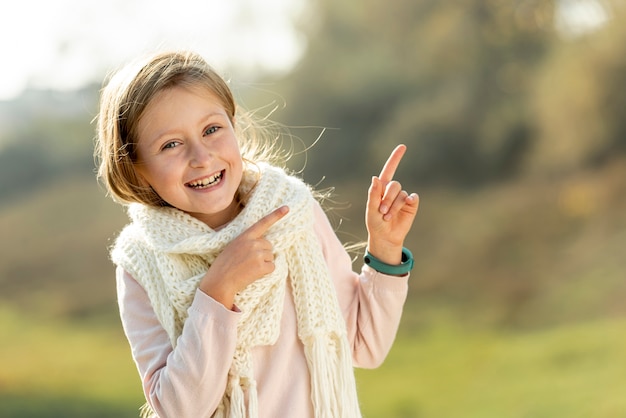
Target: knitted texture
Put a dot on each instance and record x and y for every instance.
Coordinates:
(168, 252)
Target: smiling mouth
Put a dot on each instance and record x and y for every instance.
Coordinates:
(206, 182)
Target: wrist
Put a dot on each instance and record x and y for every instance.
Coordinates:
(219, 291)
(399, 269)
(385, 252)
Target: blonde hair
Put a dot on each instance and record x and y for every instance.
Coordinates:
(124, 99)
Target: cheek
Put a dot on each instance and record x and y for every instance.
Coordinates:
(151, 175)
(141, 181)
(238, 161)
(140, 175)
(237, 147)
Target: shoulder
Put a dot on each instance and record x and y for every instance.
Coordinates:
(321, 223)
(128, 244)
(280, 178)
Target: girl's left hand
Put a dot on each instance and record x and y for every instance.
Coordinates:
(390, 212)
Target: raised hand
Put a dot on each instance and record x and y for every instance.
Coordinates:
(390, 212)
(245, 259)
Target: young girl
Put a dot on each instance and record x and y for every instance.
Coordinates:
(235, 294)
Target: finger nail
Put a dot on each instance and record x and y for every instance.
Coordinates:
(383, 209)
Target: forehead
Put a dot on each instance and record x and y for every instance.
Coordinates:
(177, 98)
(199, 90)
(176, 107)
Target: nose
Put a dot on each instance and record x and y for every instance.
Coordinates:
(198, 154)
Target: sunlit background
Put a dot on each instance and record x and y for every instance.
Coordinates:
(65, 44)
(514, 116)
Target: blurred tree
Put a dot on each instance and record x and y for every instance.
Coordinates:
(449, 79)
(579, 102)
(47, 138)
(22, 168)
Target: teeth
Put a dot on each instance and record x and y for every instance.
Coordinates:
(205, 182)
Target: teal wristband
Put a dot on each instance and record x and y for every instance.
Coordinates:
(398, 270)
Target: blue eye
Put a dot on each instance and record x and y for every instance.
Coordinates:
(171, 144)
(211, 130)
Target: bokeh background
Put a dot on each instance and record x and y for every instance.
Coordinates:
(514, 113)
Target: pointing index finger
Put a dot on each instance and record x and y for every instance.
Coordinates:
(265, 223)
(390, 167)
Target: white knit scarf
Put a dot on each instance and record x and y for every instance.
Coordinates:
(168, 252)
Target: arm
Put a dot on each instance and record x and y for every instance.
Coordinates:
(371, 302)
(190, 380)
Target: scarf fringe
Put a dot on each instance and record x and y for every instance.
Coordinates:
(333, 387)
(237, 399)
(222, 409)
(146, 411)
(253, 400)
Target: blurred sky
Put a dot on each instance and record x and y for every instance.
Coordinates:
(64, 44)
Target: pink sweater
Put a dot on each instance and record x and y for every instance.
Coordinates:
(189, 381)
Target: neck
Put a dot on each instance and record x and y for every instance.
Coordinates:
(220, 220)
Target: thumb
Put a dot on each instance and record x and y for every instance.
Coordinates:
(262, 225)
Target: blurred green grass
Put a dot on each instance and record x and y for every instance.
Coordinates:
(62, 369)
(446, 371)
(50, 368)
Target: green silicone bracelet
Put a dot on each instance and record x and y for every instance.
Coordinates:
(398, 270)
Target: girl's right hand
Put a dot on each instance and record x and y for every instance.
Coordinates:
(245, 259)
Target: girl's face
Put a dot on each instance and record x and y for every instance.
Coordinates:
(188, 153)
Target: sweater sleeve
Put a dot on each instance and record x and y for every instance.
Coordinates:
(175, 379)
(371, 302)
